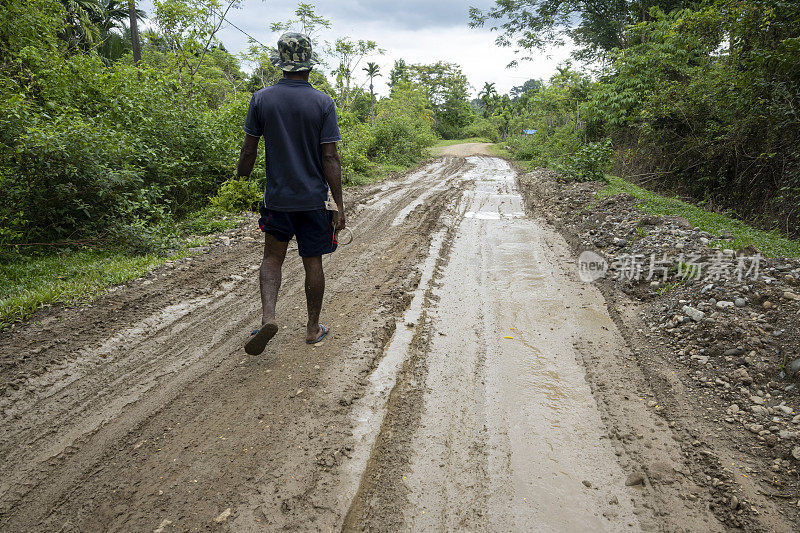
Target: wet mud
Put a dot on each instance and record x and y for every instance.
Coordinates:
(452, 393)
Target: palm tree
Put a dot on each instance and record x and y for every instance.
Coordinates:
(114, 14)
(486, 95)
(80, 30)
(134, 17)
(372, 70)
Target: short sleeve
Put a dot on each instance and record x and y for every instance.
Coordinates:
(330, 126)
(253, 124)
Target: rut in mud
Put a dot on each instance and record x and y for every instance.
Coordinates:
(451, 394)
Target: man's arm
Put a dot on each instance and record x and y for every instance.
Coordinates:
(247, 156)
(332, 168)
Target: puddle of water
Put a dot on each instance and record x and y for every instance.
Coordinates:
(545, 429)
(381, 201)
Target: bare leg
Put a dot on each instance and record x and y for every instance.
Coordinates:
(315, 289)
(270, 276)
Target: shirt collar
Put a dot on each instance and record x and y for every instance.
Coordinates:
(287, 81)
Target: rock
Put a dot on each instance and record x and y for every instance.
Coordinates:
(789, 295)
(733, 409)
(740, 302)
(770, 440)
(221, 517)
(681, 222)
(755, 428)
(225, 241)
(759, 410)
(724, 304)
(614, 500)
(796, 452)
(767, 304)
(587, 483)
(735, 352)
(796, 420)
(693, 313)
(637, 478)
(162, 526)
(733, 503)
(785, 409)
(741, 375)
(793, 367)
(758, 400)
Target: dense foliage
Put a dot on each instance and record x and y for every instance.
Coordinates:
(701, 100)
(93, 146)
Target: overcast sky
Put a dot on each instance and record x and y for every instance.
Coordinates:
(419, 31)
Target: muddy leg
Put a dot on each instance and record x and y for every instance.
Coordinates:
(315, 289)
(270, 276)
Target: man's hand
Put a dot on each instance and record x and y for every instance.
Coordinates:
(340, 220)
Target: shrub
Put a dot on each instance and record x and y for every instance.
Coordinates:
(591, 162)
(356, 138)
(483, 127)
(237, 195)
(404, 127)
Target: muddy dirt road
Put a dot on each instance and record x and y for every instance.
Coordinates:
(471, 382)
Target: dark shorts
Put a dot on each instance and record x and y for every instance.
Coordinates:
(313, 229)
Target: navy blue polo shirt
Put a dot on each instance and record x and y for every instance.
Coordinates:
(295, 120)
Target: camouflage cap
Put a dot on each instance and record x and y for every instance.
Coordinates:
(294, 53)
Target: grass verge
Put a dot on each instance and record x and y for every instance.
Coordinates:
(76, 276)
(769, 243)
(500, 151)
(451, 142)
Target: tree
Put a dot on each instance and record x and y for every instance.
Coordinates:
(373, 70)
(486, 96)
(519, 90)
(189, 27)
(133, 15)
(308, 22)
(80, 29)
(399, 74)
(348, 55)
(447, 90)
(596, 27)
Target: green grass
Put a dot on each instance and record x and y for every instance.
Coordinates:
(206, 221)
(769, 243)
(28, 283)
(451, 142)
(499, 150)
(70, 277)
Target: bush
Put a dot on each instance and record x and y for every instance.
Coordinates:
(236, 195)
(356, 138)
(404, 127)
(484, 128)
(591, 162)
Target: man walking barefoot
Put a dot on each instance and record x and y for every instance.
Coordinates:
(300, 130)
